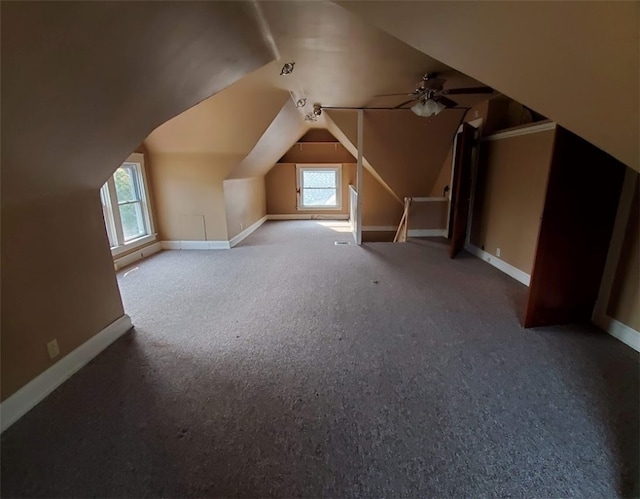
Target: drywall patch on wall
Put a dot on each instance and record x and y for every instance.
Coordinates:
(192, 227)
(187, 186)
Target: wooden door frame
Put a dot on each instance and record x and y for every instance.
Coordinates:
(477, 124)
(600, 316)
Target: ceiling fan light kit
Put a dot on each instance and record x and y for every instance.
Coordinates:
(427, 108)
(430, 97)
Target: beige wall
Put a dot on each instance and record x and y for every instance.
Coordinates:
(327, 152)
(189, 195)
(283, 131)
(624, 303)
(444, 177)
(512, 179)
(57, 281)
(405, 150)
(245, 203)
(317, 135)
(428, 215)
(379, 207)
(77, 98)
(281, 190)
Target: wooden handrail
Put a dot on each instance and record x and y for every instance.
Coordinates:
(403, 228)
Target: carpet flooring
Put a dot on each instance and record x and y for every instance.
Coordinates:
(291, 366)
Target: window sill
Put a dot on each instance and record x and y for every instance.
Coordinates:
(319, 208)
(133, 244)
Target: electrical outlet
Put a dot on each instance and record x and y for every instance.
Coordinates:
(241, 226)
(53, 349)
(497, 251)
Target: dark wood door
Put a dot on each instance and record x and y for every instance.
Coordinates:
(577, 221)
(461, 190)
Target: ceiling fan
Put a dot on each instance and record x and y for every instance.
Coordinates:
(430, 96)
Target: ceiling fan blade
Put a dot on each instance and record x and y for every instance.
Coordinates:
(468, 90)
(403, 104)
(405, 94)
(445, 100)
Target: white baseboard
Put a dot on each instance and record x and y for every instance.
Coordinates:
(304, 216)
(508, 269)
(25, 399)
(195, 245)
(122, 262)
(427, 232)
(617, 329)
(379, 228)
(412, 232)
(246, 232)
(213, 245)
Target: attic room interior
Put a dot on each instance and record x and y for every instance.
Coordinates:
(320, 249)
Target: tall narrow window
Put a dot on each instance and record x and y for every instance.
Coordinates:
(125, 207)
(319, 187)
(127, 181)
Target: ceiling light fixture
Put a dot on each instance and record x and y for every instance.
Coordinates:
(310, 117)
(287, 69)
(301, 102)
(427, 108)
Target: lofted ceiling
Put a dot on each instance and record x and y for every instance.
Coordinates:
(84, 82)
(575, 62)
(230, 122)
(340, 60)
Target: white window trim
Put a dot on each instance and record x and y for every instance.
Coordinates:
(112, 212)
(300, 168)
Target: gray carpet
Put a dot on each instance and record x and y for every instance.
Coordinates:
(290, 366)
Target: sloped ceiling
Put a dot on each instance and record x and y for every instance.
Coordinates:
(285, 130)
(348, 121)
(575, 62)
(343, 60)
(84, 82)
(405, 151)
(230, 122)
(340, 61)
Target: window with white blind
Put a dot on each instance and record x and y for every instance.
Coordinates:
(125, 207)
(319, 187)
